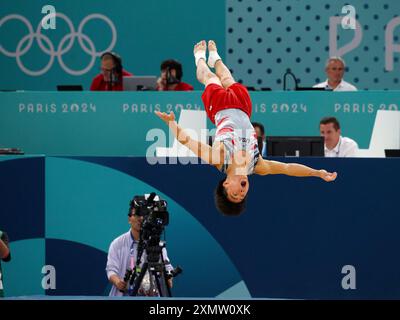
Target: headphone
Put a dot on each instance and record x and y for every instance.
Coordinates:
(117, 61)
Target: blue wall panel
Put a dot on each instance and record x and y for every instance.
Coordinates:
(292, 242)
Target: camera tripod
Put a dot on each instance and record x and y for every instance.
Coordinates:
(154, 265)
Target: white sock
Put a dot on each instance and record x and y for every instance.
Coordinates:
(201, 54)
(213, 57)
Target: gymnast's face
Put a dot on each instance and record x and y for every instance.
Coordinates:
(236, 187)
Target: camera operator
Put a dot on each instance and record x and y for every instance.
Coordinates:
(122, 255)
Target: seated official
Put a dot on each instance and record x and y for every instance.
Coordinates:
(112, 72)
(171, 77)
(335, 68)
(335, 144)
(262, 144)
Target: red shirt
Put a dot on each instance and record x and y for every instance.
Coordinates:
(181, 86)
(98, 83)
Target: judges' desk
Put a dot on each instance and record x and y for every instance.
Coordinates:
(123, 123)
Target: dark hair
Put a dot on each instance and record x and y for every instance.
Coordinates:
(225, 206)
(333, 120)
(257, 124)
(173, 64)
(117, 60)
(132, 207)
(131, 210)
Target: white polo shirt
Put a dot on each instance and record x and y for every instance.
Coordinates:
(346, 147)
(343, 86)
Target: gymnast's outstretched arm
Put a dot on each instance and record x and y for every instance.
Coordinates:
(211, 155)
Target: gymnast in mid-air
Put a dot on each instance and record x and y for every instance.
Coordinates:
(235, 149)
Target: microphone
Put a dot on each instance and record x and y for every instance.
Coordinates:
(112, 80)
(171, 79)
(113, 77)
(289, 73)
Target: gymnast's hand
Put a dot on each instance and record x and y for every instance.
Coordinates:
(166, 117)
(327, 176)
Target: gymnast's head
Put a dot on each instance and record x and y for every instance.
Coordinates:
(231, 194)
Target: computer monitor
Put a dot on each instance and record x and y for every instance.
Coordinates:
(140, 83)
(69, 87)
(392, 153)
(295, 146)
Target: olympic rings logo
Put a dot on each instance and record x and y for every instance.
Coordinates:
(85, 42)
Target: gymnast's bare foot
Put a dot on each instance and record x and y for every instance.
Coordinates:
(200, 51)
(213, 56)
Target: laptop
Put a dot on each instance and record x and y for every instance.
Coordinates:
(69, 87)
(140, 83)
(392, 153)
